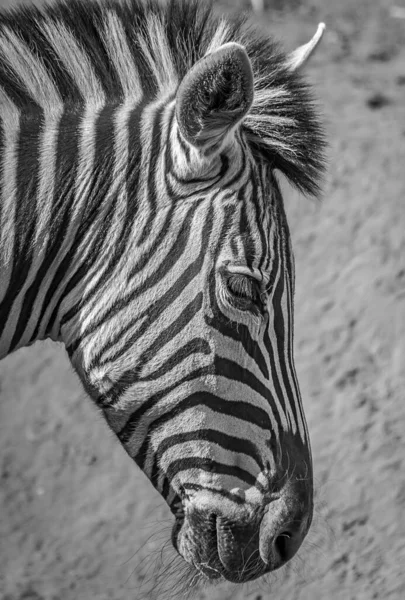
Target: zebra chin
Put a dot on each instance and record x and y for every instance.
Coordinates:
(240, 545)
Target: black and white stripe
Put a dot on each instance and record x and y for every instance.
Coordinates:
(118, 235)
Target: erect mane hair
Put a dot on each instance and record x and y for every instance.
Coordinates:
(164, 41)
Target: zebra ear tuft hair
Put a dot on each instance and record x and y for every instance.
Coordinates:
(214, 97)
(300, 56)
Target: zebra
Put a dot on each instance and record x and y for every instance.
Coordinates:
(142, 225)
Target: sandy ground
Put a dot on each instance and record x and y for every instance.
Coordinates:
(77, 518)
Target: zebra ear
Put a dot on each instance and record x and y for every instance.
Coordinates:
(214, 97)
(300, 56)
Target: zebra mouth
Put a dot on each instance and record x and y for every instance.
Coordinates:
(203, 554)
(214, 550)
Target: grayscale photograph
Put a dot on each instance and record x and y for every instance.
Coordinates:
(202, 299)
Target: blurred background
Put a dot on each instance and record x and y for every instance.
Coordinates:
(77, 518)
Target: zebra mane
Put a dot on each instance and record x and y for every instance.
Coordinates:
(109, 51)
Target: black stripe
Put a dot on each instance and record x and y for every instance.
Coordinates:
(67, 155)
(193, 346)
(57, 228)
(153, 172)
(152, 312)
(164, 337)
(167, 488)
(233, 371)
(120, 251)
(239, 333)
(228, 442)
(282, 339)
(210, 466)
(32, 34)
(209, 182)
(237, 409)
(2, 169)
(172, 254)
(274, 318)
(103, 169)
(242, 173)
(25, 217)
(258, 206)
(274, 262)
(84, 23)
(288, 258)
(297, 396)
(14, 88)
(188, 28)
(169, 261)
(97, 210)
(131, 183)
(132, 15)
(245, 235)
(113, 397)
(195, 487)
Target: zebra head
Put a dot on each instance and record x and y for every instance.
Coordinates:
(186, 340)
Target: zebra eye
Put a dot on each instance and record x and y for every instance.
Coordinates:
(244, 289)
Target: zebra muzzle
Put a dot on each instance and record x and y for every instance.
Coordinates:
(241, 547)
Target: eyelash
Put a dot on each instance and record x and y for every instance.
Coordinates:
(244, 290)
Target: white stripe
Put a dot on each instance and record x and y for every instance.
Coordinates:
(10, 121)
(46, 187)
(219, 38)
(83, 180)
(103, 300)
(158, 55)
(119, 52)
(193, 421)
(29, 70)
(87, 157)
(118, 188)
(75, 60)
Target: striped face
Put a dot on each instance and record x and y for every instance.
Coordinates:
(145, 229)
(197, 376)
(192, 361)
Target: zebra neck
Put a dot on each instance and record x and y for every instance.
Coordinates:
(63, 188)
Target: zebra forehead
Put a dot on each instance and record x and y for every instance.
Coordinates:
(107, 51)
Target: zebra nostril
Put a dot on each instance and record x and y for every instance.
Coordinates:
(284, 545)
